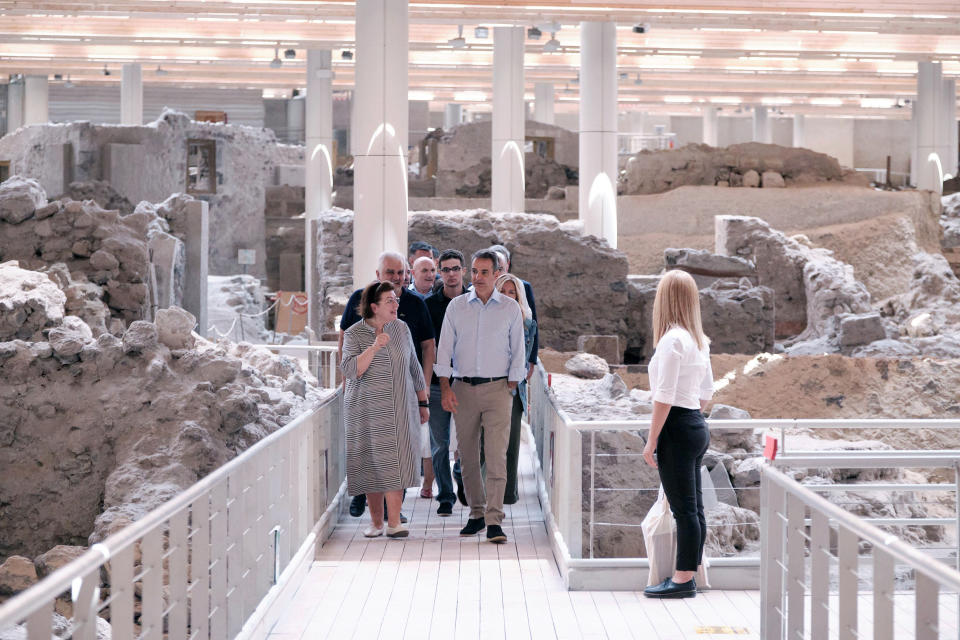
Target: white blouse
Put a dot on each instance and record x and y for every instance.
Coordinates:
(680, 373)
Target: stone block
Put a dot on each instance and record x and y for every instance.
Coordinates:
(293, 175)
(607, 347)
(861, 329)
(587, 365)
(772, 180)
(751, 179)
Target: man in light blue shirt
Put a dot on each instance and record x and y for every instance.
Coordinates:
(481, 350)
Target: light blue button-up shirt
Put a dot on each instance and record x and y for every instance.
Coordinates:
(482, 340)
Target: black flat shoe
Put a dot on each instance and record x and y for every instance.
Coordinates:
(495, 534)
(445, 509)
(474, 526)
(461, 496)
(670, 589)
(357, 505)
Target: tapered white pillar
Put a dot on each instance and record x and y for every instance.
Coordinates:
(710, 118)
(761, 125)
(318, 124)
(452, 115)
(14, 106)
(36, 100)
(296, 117)
(929, 130)
(131, 94)
(598, 130)
(379, 136)
(508, 122)
(948, 116)
(543, 100)
(799, 130)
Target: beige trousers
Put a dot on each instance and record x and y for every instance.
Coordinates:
(488, 405)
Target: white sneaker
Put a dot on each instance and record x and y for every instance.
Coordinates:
(372, 531)
(398, 532)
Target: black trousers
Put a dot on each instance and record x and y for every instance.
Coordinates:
(680, 448)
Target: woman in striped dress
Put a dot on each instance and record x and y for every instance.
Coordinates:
(383, 382)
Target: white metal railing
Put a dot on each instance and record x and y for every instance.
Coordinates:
(809, 543)
(565, 446)
(321, 359)
(210, 562)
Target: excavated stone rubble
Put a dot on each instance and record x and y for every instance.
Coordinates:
(752, 164)
(100, 430)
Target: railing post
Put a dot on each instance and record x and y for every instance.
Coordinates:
(819, 575)
(796, 566)
(848, 547)
(771, 559)
(882, 595)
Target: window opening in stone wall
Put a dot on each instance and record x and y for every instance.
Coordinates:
(4, 170)
(543, 146)
(210, 116)
(201, 166)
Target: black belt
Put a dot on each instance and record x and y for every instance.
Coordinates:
(476, 381)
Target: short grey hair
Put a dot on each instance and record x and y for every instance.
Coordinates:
(391, 254)
(488, 254)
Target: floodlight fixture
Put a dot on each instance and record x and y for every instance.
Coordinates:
(106, 71)
(481, 33)
(276, 63)
(290, 54)
(346, 54)
(533, 33)
(552, 44)
(160, 71)
(459, 42)
(641, 28)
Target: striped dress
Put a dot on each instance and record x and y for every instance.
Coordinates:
(380, 410)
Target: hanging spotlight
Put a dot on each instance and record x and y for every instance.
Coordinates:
(276, 63)
(68, 84)
(346, 54)
(637, 80)
(552, 44)
(481, 33)
(459, 42)
(160, 71)
(533, 33)
(290, 54)
(106, 71)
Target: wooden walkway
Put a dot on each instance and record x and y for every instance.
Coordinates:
(436, 584)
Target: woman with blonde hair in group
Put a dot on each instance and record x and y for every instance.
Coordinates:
(511, 286)
(681, 384)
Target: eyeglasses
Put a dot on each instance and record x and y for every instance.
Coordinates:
(449, 269)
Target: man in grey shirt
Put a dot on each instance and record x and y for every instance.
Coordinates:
(481, 350)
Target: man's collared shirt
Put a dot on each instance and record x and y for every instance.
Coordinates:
(482, 340)
(423, 296)
(411, 310)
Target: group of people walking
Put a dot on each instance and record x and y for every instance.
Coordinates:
(462, 354)
(421, 349)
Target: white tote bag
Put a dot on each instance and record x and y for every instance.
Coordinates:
(660, 537)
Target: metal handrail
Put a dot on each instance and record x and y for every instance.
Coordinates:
(83, 574)
(786, 531)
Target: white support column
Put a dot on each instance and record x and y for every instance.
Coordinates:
(36, 100)
(710, 118)
(543, 102)
(452, 115)
(379, 136)
(948, 116)
(14, 106)
(928, 130)
(508, 122)
(761, 125)
(131, 94)
(318, 124)
(296, 117)
(598, 130)
(799, 130)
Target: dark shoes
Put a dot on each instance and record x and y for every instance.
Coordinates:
(474, 526)
(495, 534)
(670, 589)
(445, 509)
(357, 505)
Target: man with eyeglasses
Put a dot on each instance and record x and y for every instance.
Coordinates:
(412, 310)
(451, 272)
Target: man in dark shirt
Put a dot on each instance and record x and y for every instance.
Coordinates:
(451, 270)
(412, 310)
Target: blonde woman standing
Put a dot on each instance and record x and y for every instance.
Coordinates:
(681, 384)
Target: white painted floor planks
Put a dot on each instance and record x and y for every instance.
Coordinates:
(436, 584)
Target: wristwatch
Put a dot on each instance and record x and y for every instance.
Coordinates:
(423, 403)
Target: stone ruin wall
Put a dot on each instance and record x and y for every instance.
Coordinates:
(148, 163)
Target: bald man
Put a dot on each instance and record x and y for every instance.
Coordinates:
(424, 276)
